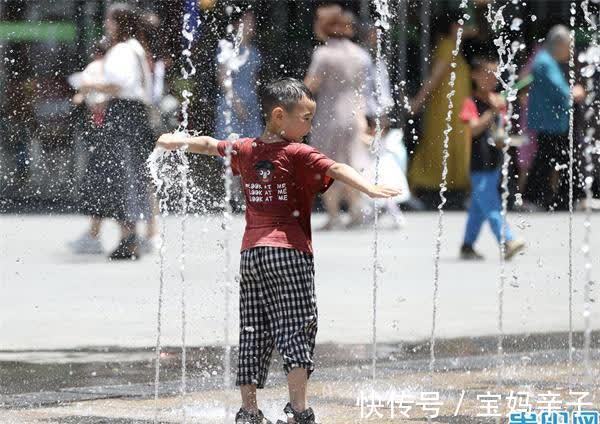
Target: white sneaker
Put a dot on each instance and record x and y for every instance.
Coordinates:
(513, 247)
(86, 245)
(149, 245)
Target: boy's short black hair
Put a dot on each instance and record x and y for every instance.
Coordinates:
(285, 93)
(480, 60)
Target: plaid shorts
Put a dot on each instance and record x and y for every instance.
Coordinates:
(278, 308)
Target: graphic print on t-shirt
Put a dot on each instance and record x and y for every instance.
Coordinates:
(264, 170)
(265, 192)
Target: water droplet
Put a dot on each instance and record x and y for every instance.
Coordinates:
(559, 166)
(588, 71)
(516, 24)
(518, 199)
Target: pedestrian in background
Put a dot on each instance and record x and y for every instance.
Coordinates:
(245, 111)
(128, 136)
(485, 113)
(548, 115)
(338, 75)
(425, 171)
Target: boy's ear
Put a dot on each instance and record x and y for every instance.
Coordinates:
(277, 113)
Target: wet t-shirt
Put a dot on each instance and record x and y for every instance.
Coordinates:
(484, 155)
(280, 181)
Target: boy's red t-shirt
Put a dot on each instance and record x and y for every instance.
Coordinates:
(280, 181)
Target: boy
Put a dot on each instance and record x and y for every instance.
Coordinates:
(482, 113)
(280, 177)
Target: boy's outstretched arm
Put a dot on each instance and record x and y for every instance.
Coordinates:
(349, 176)
(203, 145)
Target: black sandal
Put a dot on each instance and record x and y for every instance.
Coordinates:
(305, 417)
(245, 417)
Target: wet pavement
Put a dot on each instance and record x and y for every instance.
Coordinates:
(339, 393)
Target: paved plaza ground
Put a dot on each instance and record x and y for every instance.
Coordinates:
(52, 299)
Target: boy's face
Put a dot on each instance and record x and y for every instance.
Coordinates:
(297, 122)
(562, 51)
(485, 78)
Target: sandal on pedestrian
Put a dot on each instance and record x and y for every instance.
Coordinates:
(127, 249)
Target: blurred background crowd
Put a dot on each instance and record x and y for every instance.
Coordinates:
(72, 68)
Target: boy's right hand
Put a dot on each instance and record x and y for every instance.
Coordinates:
(383, 192)
(170, 141)
(578, 93)
(497, 102)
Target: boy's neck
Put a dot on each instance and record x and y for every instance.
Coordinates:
(270, 136)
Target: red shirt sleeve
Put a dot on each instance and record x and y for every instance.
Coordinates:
(469, 110)
(312, 167)
(222, 147)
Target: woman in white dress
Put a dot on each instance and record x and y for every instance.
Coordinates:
(337, 75)
(128, 136)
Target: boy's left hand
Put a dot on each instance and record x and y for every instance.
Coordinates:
(170, 141)
(383, 192)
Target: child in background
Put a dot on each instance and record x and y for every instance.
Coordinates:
(393, 161)
(280, 177)
(482, 113)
